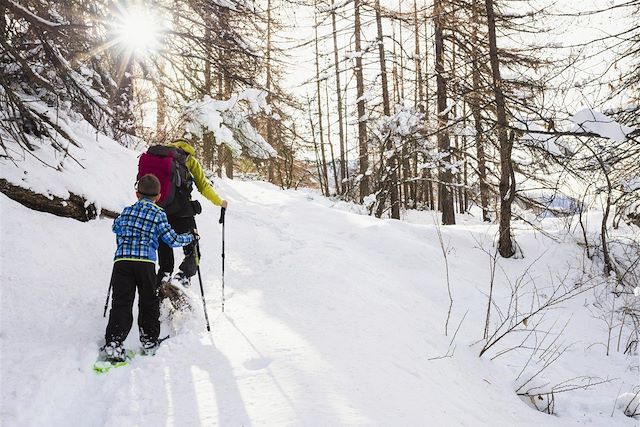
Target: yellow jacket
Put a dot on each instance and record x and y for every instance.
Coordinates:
(201, 181)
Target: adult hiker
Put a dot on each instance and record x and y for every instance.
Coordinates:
(178, 205)
(138, 229)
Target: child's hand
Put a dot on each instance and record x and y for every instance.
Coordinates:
(224, 204)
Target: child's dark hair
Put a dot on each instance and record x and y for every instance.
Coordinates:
(149, 185)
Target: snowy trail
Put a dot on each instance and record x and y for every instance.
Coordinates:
(331, 318)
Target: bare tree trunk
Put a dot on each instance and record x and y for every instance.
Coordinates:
(161, 111)
(419, 101)
(456, 138)
(346, 141)
(608, 267)
(122, 99)
(225, 155)
(316, 150)
(445, 198)
(270, 168)
(507, 184)
(208, 140)
(219, 150)
(391, 158)
(465, 172)
(404, 167)
(333, 158)
(477, 117)
(394, 69)
(319, 97)
(343, 163)
(362, 124)
(207, 62)
(428, 174)
(401, 87)
(416, 29)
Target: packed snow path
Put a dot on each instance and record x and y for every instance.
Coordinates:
(331, 319)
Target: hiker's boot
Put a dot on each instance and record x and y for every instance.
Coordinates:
(149, 347)
(113, 352)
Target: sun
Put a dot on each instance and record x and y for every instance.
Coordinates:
(138, 30)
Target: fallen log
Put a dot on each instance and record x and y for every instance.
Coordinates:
(75, 206)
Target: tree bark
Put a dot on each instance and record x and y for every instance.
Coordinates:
(445, 197)
(477, 117)
(420, 92)
(507, 186)
(363, 155)
(319, 98)
(427, 113)
(343, 163)
(161, 108)
(122, 99)
(225, 156)
(315, 150)
(331, 151)
(391, 156)
(270, 168)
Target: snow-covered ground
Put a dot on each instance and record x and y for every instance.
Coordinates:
(332, 318)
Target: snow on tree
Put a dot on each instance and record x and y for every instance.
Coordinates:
(46, 77)
(229, 121)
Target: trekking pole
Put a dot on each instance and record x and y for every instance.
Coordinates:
(221, 221)
(204, 301)
(106, 304)
(196, 248)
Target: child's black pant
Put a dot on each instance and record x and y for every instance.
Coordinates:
(126, 277)
(165, 253)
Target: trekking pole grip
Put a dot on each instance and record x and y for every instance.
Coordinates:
(222, 213)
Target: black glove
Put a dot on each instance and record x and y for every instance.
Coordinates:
(196, 206)
(195, 235)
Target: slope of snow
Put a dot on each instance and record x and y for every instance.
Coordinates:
(331, 318)
(100, 170)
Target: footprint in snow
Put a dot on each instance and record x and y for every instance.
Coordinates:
(257, 363)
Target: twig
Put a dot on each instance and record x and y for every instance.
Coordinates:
(446, 264)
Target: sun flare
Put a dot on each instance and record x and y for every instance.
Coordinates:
(138, 30)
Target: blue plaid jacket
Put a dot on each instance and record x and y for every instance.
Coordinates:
(138, 229)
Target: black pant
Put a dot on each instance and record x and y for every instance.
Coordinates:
(189, 265)
(125, 278)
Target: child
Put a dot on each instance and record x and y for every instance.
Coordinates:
(137, 230)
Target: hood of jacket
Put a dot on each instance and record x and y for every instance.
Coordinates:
(184, 145)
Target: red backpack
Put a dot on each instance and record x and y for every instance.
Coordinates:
(169, 165)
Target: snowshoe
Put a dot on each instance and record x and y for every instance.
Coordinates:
(105, 362)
